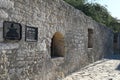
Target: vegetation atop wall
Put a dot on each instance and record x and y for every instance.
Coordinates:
(97, 12)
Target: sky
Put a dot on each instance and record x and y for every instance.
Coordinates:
(113, 7)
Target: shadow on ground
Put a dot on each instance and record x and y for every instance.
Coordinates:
(113, 56)
(118, 68)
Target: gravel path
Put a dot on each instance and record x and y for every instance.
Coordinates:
(106, 69)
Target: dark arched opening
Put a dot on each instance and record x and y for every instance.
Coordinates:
(57, 45)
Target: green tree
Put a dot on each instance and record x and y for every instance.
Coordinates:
(97, 12)
(115, 25)
(76, 3)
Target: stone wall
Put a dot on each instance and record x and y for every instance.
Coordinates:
(116, 43)
(24, 60)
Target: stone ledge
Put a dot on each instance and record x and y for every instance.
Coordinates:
(9, 46)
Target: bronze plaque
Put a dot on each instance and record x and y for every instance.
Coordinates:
(31, 33)
(12, 30)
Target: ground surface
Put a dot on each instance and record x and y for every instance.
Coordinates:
(105, 69)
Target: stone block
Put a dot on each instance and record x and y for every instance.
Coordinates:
(7, 4)
(9, 46)
(1, 31)
(3, 14)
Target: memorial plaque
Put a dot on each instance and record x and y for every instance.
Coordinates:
(12, 30)
(31, 33)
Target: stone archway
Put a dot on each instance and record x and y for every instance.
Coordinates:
(58, 45)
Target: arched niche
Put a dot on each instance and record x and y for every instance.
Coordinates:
(58, 45)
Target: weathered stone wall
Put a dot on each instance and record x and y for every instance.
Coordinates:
(24, 60)
(116, 43)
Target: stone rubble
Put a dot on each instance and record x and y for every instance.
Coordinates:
(101, 70)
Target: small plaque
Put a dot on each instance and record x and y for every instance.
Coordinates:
(12, 30)
(31, 33)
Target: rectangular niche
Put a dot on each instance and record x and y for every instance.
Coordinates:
(31, 34)
(90, 38)
(115, 38)
(12, 31)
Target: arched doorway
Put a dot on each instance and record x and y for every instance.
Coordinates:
(57, 45)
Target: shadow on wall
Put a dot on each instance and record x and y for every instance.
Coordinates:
(113, 56)
(118, 68)
(57, 45)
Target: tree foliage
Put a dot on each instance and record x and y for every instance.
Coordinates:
(76, 3)
(97, 12)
